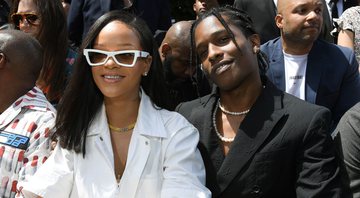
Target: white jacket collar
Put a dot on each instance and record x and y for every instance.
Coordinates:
(149, 121)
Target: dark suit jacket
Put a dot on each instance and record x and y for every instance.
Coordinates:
(83, 13)
(263, 12)
(348, 146)
(282, 149)
(332, 76)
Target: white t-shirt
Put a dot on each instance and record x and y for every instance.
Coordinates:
(295, 69)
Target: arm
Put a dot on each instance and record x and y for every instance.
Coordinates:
(54, 179)
(39, 148)
(349, 91)
(346, 39)
(184, 172)
(348, 145)
(317, 167)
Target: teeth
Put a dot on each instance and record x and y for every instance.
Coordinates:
(111, 77)
(222, 68)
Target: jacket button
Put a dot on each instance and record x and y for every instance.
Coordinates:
(101, 138)
(256, 189)
(146, 143)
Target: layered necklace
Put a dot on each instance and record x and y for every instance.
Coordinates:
(218, 105)
(123, 129)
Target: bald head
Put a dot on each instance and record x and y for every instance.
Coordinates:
(23, 52)
(175, 50)
(178, 35)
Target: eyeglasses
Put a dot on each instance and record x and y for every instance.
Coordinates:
(31, 18)
(126, 58)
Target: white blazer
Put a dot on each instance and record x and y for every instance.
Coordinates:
(163, 161)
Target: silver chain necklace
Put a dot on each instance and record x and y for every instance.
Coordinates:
(230, 112)
(222, 138)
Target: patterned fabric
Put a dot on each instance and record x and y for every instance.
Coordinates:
(32, 116)
(349, 20)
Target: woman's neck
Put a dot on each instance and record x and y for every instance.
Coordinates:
(121, 113)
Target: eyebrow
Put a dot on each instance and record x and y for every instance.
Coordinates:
(214, 34)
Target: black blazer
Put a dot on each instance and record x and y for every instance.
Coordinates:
(282, 149)
(83, 13)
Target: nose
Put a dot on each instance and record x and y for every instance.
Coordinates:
(215, 53)
(23, 22)
(110, 63)
(314, 15)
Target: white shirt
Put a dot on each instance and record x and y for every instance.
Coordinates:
(163, 161)
(295, 70)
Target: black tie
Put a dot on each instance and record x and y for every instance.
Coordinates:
(334, 10)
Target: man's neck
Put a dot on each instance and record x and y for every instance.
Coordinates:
(296, 48)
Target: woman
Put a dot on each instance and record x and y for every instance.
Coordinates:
(257, 141)
(115, 137)
(349, 30)
(45, 20)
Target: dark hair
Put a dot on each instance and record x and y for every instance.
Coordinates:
(83, 99)
(53, 38)
(230, 15)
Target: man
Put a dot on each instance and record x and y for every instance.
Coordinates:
(26, 117)
(263, 12)
(175, 52)
(311, 69)
(347, 139)
(83, 13)
(201, 6)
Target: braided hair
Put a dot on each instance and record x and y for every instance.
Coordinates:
(237, 18)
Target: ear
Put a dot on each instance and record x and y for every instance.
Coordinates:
(194, 7)
(255, 41)
(279, 21)
(147, 66)
(165, 49)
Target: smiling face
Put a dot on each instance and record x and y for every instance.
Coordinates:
(227, 67)
(112, 79)
(300, 21)
(28, 6)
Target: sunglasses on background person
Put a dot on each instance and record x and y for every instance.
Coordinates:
(126, 58)
(30, 18)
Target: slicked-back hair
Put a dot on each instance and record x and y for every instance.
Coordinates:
(240, 19)
(83, 99)
(52, 36)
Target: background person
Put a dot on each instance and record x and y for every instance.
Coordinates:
(26, 117)
(180, 71)
(310, 68)
(46, 21)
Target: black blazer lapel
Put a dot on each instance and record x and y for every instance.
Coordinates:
(254, 130)
(314, 70)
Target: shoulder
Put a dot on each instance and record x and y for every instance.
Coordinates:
(199, 104)
(271, 45)
(331, 48)
(350, 122)
(305, 112)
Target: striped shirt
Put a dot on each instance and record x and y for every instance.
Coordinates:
(29, 116)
